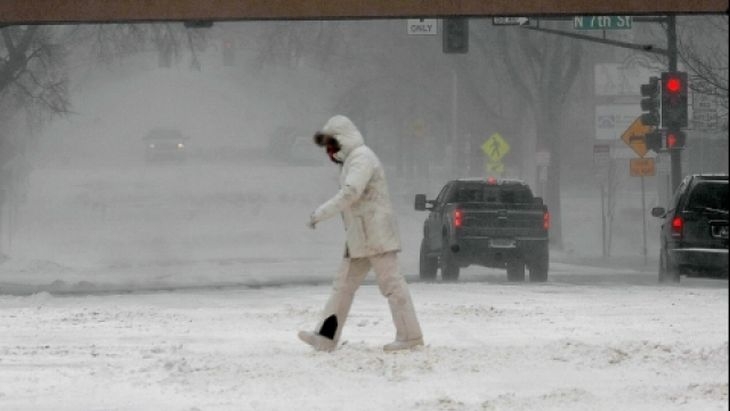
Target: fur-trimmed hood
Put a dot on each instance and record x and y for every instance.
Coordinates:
(344, 132)
(363, 199)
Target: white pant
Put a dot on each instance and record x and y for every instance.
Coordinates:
(392, 285)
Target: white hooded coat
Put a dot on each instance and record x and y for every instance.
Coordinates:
(363, 198)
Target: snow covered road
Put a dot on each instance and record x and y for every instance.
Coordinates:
(490, 346)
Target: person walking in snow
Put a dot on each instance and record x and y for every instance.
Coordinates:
(372, 239)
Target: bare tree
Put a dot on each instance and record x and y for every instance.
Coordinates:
(542, 70)
(32, 77)
(32, 68)
(703, 49)
(109, 43)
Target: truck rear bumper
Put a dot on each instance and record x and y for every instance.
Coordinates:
(711, 261)
(494, 251)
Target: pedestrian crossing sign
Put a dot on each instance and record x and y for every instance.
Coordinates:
(495, 147)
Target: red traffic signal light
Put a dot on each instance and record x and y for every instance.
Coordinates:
(675, 139)
(674, 85)
(674, 99)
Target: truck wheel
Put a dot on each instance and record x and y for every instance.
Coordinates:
(449, 268)
(427, 266)
(668, 273)
(515, 270)
(540, 264)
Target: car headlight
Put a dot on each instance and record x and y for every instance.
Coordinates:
(152, 145)
(180, 145)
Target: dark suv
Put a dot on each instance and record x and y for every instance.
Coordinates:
(694, 233)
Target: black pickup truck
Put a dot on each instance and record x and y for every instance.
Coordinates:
(491, 222)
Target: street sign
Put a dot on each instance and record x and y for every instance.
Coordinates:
(704, 106)
(495, 147)
(601, 160)
(614, 79)
(612, 120)
(510, 21)
(422, 27)
(635, 136)
(642, 167)
(705, 120)
(601, 155)
(602, 22)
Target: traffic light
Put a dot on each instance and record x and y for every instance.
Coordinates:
(674, 99)
(650, 102)
(675, 139)
(455, 35)
(654, 141)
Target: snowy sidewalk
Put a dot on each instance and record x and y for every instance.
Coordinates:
(490, 346)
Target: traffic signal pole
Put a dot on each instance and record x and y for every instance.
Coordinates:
(671, 53)
(675, 154)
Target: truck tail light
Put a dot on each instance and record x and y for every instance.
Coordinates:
(458, 218)
(677, 226)
(546, 220)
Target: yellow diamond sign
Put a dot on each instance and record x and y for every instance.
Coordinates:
(495, 147)
(635, 136)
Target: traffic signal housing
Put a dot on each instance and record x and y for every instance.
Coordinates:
(654, 141)
(675, 139)
(674, 99)
(650, 102)
(455, 35)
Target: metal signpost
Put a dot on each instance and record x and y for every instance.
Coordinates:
(635, 137)
(601, 164)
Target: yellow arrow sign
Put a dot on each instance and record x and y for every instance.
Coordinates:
(495, 147)
(635, 136)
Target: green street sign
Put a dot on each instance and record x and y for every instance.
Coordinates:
(602, 22)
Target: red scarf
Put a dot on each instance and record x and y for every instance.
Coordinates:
(331, 151)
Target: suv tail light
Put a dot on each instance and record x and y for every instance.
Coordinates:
(677, 225)
(458, 218)
(546, 220)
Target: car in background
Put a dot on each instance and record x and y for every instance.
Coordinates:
(165, 144)
(694, 231)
